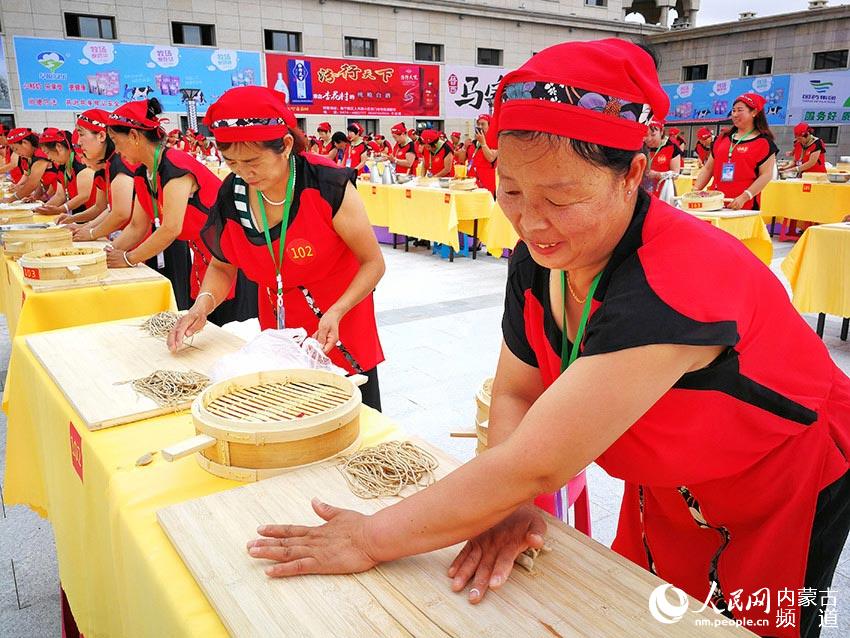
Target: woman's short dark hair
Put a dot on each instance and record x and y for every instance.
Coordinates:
(152, 135)
(299, 144)
(339, 137)
(616, 160)
(32, 138)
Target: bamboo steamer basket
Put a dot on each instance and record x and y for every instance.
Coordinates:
(15, 216)
(482, 414)
(262, 424)
(46, 268)
(44, 237)
(702, 201)
(815, 178)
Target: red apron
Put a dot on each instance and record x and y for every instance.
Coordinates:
(820, 165)
(400, 152)
(482, 170)
(747, 157)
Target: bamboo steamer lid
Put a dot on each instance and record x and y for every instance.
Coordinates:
(44, 268)
(16, 216)
(264, 423)
(482, 414)
(702, 201)
(18, 242)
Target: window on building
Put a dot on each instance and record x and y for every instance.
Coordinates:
(428, 52)
(437, 125)
(7, 120)
(829, 134)
(694, 72)
(370, 127)
(189, 33)
(757, 66)
(596, 3)
(88, 26)
(282, 40)
(361, 47)
(490, 57)
(830, 60)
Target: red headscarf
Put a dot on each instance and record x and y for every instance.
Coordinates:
(602, 92)
(801, 129)
(249, 114)
(399, 129)
(18, 134)
(753, 100)
(93, 120)
(429, 136)
(53, 136)
(703, 134)
(325, 126)
(133, 115)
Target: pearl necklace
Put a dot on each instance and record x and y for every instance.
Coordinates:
(272, 202)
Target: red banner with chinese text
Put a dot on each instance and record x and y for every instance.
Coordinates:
(343, 86)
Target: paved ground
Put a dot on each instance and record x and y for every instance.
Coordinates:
(439, 324)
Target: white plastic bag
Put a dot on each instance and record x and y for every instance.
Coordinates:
(668, 189)
(275, 350)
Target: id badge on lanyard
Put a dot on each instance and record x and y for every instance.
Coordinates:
(284, 226)
(281, 322)
(727, 172)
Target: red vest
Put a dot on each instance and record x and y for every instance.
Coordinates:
(174, 164)
(483, 171)
(820, 165)
(747, 157)
(400, 152)
(435, 162)
(703, 153)
(316, 258)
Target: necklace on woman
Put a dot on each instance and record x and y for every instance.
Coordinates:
(572, 292)
(271, 201)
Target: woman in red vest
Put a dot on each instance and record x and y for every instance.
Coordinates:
(437, 154)
(404, 151)
(174, 193)
(642, 338)
(812, 150)
(294, 224)
(32, 162)
(113, 177)
(480, 158)
(7, 157)
(705, 140)
(743, 157)
(76, 194)
(664, 156)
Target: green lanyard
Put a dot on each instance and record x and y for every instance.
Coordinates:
(733, 144)
(69, 168)
(568, 356)
(278, 263)
(153, 182)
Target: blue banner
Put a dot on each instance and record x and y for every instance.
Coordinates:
(711, 101)
(75, 75)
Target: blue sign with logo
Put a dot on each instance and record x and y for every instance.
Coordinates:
(75, 75)
(711, 101)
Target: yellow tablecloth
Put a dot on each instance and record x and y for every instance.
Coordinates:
(376, 199)
(818, 268)
(497, 233)
(749, 229)
(684, 184)
(121, 574)
(796, 199)
(28, 311)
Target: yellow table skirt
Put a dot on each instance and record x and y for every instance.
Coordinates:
(435, 214)
(818, 268)
(121, 574)
(28, 311)
(749, 229)
(497, 233)
(796, 199)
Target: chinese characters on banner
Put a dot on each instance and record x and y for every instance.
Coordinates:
(468, 91)
(75, 75)
(820, 99)
(335, 86)
(711, 101)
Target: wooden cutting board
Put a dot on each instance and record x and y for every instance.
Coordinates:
(581, 588)
(87, 362)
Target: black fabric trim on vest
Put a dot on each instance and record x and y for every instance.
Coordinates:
(617, 325)
(724, 375)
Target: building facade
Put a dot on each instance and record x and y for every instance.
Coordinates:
(501, 33)
(816, 39)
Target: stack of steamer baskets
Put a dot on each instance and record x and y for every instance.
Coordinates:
(702, 201)
(482, 414)
(19, 239)
(262, 424)
(60, 267)
(18, 212)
